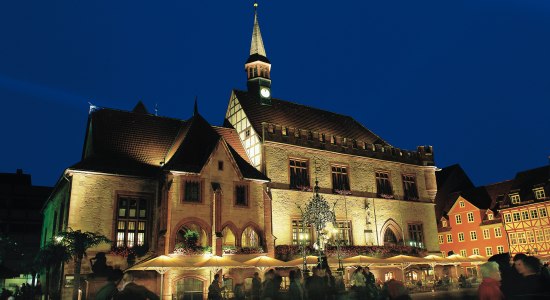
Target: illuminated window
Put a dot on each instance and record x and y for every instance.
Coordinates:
(514, 198)
(416, 235)
(132, 218)
(340, 179)
(440, 239)
(525, 215)
(388, 276)
(461, 204)
(250, 238)
(463, 252)
(383, 185)
(516, 216)
(500, 249)
(409, 187)
(498, 232)
(470, 216)
(449, 238)
(507, 218)
(241, 195)
(547, 234)
(300, 233)
(513, 238)
(458, 219)
(534, 214)
(343, 233)
(539, 193)
(475, 251)
(486, 234)
(192, 191)
(543, 213)
(189, 288)
(284, 131)
(473, 235)
(299, 173)
(444, 223)
(488, 251)
(228, 237)
(490, 216)
(530, 236)
(540, 235)
(521, 238)
(461, 236)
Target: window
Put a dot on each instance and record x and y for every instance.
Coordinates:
(299, 174)
(543, 213)
(463, 253)
(514, 198)
(388, 276)
(440, 239)
(475, 251)
(486, 234)
(547, 234)
(530, 236)
(340, 180)
(250, 238)
(409, 187)
(461, 236)
(228, 237)
(507, 218)
(521, 238)
(383, 185)
(534, 214)
(203, 236)
(458, 219)
(473, 235)
(490, 216)
(449, 238)
(513, 238)
(416, 235)
(540, 235)
(220, 165)
(132, 214)
(488, 251)
(300, 233)
(343, 233)
(470, 216)
(539, 193)
(516, 216)
(241, 195)
(189, 288)
(444, 223)
(461, 203)
(498, 232)
(500, 249)
(284, 131)
(525, 215)
(192, 191)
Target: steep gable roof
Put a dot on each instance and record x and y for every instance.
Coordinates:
(526, 181)
(304, 117)
(450, 181)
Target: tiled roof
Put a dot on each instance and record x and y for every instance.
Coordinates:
(304, 117)
(526, 181)
(141, 144)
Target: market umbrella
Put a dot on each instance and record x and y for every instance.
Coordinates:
(362, 260)
(218, 262)
(456, 259)
(265, 262)
(161, 264)
(310, 260)
(477, 258)
(406, 260)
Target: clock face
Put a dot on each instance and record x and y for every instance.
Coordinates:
(265, 92)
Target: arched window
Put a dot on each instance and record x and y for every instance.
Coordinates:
(189, 288)
(203, 237)
(228, 237)
(389, 237)
(250, 238)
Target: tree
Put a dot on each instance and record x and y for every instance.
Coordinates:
(50, 257)
(77, 243)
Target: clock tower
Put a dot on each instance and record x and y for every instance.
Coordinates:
(258, 67)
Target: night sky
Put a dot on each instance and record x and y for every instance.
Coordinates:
(471, 78)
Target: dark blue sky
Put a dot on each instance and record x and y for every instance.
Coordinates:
(471, 78)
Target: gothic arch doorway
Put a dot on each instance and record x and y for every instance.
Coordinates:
(391, 233)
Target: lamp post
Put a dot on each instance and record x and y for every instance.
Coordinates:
(303, 237)
(317, 214)
(338, 254)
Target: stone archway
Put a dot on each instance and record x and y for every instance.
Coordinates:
(390, 233)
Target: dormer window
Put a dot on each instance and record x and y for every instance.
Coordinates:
(285, 131)
(461, 203)
(514, 198)
(490, 216)
(539, 193)
(444, 223)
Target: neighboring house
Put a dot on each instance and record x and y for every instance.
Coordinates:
(384, 195)
(20, 220)
(145, 180)
(525, 212)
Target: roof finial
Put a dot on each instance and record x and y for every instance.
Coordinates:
(255, 5)
(257, 44)
(196, 108)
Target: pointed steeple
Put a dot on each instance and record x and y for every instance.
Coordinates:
(258, 67)
(257, 44)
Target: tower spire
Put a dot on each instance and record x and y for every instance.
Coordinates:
(257, 44)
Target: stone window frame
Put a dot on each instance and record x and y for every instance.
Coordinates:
(332, 172)
(246, 186)
(307, 168)
(383, 194)
(148, 197)
(192, 179)
(296, 230)
(410, 184)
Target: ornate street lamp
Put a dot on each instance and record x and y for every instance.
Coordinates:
(317, 213)
(335, 233)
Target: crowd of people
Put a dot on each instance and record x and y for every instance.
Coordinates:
(320, 285)
(26, 291)
(523, 278)
(128, 290)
